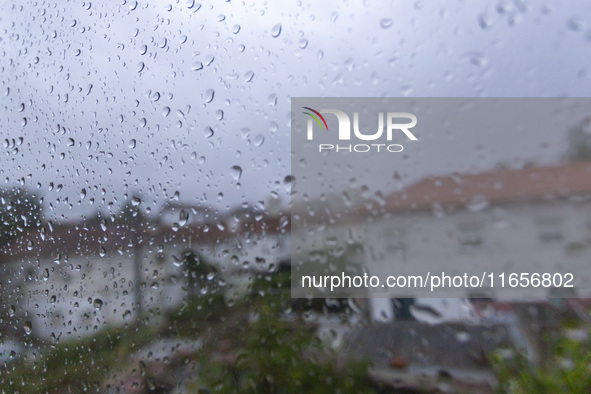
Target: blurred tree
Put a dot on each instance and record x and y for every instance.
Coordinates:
(130, 212)
(284, 357)
(579, 141)
(201, 274)
(20, 210)
(568, 371)
(130, 216)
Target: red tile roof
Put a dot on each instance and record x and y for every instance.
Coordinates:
(494, 187)
(83, 239)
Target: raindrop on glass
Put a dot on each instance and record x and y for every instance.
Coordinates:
(208, 95)
(208, 132)
(478, 203)
(98, 304)
(248, 76)
(183, 218)
(276, 30)
(258, 140)
(236, 172)
(386, 23)
(197, 66)
(28, 327)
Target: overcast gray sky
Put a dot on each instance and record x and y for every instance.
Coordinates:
(123, 97)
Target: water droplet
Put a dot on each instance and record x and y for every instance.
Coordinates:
(463, 336)
(303, 43)
(208, 95)
(386, 23)
(165, 111)
(276, 30)
(272, 100)
(575, 24)
(485, 22)
(476, 58)
(208, 132)
(135, 201)
(98, 304)
(258, 140)
(197, 66)
(438, 210)
(236, 29)
(70, 142)
(154, 96)
(183, 218)
(236, 172)
(248, 76)
(478, 203)
(28, 327)
(140, 67)
(288, 183)
(132, 143)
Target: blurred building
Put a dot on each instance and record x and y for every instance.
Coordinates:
(67, 280)
(533, 219)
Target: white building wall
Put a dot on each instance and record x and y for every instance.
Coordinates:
(522, 237)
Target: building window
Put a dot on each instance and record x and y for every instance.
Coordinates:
(550, 229)
(395, 243)
(470, 235)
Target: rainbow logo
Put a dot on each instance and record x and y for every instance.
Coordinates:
(315, 118)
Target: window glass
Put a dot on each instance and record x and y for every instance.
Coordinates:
(146, 192)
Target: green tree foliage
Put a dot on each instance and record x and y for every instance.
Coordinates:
(579, 141)
(284, 357)
(20, 210)
(568, 372)
(202, 275)
(130, 213)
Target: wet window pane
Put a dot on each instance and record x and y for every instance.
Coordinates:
(146, 193)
